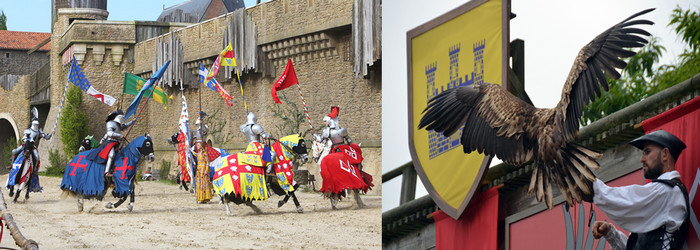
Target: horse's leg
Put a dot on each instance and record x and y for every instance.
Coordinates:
(132, 187)
(358, 199)
(80, 202)
(29, 185)
(254, 207)
(283, 201)
(12, 190)
(334, 200)
(296, 201)
(225, 201)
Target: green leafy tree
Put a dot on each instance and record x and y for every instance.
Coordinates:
(216, 127)
(74, 122)
(3, 21)
(640, 79)
(292, 118)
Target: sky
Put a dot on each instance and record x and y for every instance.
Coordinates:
(38, 18)
(553, 30)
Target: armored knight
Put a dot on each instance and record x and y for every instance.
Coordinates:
(333, 131)
(200, 135)
(31, 137)
(255, 133)
(115, 124)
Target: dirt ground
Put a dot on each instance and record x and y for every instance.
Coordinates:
(165, 217)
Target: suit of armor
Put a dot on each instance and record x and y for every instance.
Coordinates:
(32, 135)
(334, 132)
(255, 133)
(115, 124)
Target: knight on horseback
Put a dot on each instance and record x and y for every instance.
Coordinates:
(26, 176)
(32, 134)
(115, 124)
(340, 162)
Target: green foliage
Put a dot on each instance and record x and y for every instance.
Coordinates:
(292, 118)
(640, 79)
(74, 122)
(164, 169)
(6, 153)
(216, 126)
(3, 21)
(58, 163)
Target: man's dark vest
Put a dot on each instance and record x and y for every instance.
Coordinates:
(654, 239)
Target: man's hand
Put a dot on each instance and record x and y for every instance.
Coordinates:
(600, 229)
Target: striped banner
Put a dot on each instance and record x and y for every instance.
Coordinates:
(306, 110)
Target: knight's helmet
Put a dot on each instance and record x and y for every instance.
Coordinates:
(116, 116)
(35, 119)
(250, 119)
(332, 117)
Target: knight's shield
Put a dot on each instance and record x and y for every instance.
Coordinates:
(464, 46)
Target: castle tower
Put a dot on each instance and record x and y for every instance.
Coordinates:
(454, 66)
(430, 77)
(478, 74)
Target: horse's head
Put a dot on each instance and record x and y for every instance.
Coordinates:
(146, 148)
(86, 144)
(297, 144)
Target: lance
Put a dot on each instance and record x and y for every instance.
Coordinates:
(65, 89)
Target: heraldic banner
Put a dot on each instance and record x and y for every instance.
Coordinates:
(465, 46)
(682, 121)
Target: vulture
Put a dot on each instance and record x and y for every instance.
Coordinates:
(497, 123)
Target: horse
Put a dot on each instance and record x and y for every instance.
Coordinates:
(341, 171)
(86, 178)
(88, 143)
(24, 173)
(241, 178)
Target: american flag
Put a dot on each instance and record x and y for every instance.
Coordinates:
(77, 77)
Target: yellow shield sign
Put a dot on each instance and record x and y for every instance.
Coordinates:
(467, 45)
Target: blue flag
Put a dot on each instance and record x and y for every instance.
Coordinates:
(77, 77)
(146, 86)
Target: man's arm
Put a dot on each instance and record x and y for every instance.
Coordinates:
(615, 238)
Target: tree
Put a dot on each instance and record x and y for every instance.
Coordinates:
(3, 21)
(74, 122)
(292, 118)
(640, 79)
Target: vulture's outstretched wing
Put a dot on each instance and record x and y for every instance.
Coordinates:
(494, 120)
(598, 58)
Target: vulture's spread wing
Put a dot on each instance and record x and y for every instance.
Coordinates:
(598, 58)
(494, 121)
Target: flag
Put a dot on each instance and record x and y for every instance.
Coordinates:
(77, 77)
(184, 128)
(288, 78)
(225, 58)
(133, 83)
(151, 81)
(214, 85)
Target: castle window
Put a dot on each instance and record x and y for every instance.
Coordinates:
(7, 55)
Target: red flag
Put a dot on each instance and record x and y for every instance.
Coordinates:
(288, 78)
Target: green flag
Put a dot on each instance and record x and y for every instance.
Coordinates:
(133, 83)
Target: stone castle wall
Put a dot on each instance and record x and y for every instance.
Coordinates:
(325, 80)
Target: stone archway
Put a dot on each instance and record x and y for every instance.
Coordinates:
(8, 131)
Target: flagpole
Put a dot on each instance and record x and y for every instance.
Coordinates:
(306, 110)
(144, 105)
(240, 84)
(65, 89)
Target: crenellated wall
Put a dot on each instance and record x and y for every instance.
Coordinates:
(316, 35)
